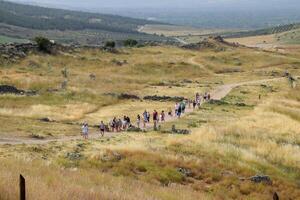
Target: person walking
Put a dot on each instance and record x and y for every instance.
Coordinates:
(176, 109)
(179, 111)
(182, 105)
(197, 97)
(114, 124)
(85, 130)
(124, 123)
(102, 128)
(148, 117)
(205, 96)
(138, 121)
(128, 121)
(119, 125)
(145, 118)
(162, 116)
(155, 119)
(194, 104)
(170, 112)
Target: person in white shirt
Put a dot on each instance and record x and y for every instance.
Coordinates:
(85, 130)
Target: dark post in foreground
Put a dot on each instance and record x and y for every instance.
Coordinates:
(22, 188)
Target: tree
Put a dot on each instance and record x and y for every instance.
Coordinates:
(130, 43)
(44, 44)
(110, 44)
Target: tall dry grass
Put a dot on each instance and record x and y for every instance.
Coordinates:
(49, 182)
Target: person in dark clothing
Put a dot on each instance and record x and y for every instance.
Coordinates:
(194, 104)
(138, 121)
(162, 116)
(179, 111)
(128, 122)
(155, 119)
(148, 117)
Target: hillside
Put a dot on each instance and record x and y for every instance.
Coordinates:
(26, 21)
(251, 127)
(281, 41)
(265, 31)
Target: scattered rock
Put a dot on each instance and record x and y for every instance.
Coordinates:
(201, 45)
(128, 96)
(218, 102)
(51, 90)
(7, 89)
(37, 136)
(112, 157)
(9, 51)
(110, 50)
(184, 171)
(73, 155)
(180, 131)
(186, 81)
(241, 104)
(46, 119)
(163, 98)
(14, 52)
(259, 179)
(134, 129)
(123, 96)
(119, 63)
(227, 173)
(92, 76)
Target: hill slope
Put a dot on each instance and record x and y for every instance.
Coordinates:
(253, 130)
(265, 31)
(25, 21)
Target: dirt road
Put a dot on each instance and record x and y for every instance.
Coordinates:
(217, 94)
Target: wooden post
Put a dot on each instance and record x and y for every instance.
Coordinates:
(22, 188)
(275, 196)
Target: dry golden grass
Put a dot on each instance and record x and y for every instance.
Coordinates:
(239, 137)
(50, 182)
(254, 41)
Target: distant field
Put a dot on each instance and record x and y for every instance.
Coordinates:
(271, 41)
(5, 39)
(254, 40)
(172, 30)
(290, 37)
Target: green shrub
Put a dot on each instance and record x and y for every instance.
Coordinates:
(130, 43)
(44, 44)
(110, 44)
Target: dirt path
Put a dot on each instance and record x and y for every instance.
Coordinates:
(193, 61)
(181, 41)
(217, 94)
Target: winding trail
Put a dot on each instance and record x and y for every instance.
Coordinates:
(193, 61)
(181, 41)
(217, 94)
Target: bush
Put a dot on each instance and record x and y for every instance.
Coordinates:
(110, 44)
(44, 44)
(130, 43)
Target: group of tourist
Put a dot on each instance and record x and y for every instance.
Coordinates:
(142, 121)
